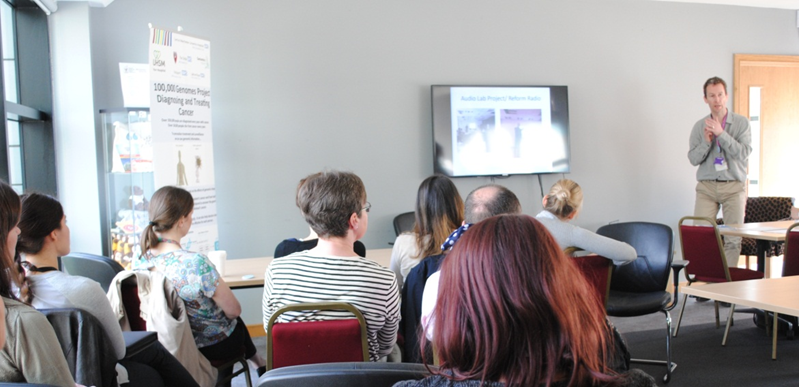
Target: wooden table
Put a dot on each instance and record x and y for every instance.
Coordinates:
(763, 233)
(235, 269)
(778, 295)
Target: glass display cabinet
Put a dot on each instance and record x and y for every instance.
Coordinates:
(129, 185)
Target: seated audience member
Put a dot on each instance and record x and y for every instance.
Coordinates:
(334, 205)
(44, 236)
(439, 210)
(562, 204)
(481, 203)
(510, 314)
(211, 306)
(31, 352)
(293, 245)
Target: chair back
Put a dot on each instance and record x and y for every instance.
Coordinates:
(767, 209)
(89, 354)
(344, 374)
(654, 244)
(597, 271)
(404, 222)
(308, 342)
(130, 299)
(702, 246)
(95, 267)
(790, 263)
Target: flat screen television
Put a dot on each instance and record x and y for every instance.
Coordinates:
(500, 130)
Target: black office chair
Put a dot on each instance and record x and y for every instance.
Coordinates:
(404, 222)
(343, 374)
(96, 267)
(639, 287)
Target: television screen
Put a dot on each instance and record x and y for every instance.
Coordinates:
(500, 130)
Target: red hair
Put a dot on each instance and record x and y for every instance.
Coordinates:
(509, 308)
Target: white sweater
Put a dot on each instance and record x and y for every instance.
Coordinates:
(569, 235)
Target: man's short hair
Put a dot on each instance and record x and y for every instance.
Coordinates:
(714, 81)
(328, 199)
(490, 200)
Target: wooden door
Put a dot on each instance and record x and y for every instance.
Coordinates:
(777, 77)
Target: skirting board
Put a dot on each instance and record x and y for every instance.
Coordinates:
(256, 330)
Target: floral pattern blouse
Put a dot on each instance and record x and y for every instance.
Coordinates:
(195, 280)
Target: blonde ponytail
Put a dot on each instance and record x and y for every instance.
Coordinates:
(564, 198)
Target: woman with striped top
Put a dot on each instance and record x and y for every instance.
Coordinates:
(334, 205)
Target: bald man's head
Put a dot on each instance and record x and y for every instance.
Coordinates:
(490, 200)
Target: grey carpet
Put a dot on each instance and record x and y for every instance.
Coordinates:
(701, 360)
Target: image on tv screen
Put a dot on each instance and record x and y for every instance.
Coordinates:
(493, 130)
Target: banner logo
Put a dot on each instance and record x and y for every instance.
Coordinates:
(157, 61)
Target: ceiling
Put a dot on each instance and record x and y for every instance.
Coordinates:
(784, 4)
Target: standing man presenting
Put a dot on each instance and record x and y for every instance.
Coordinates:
(720, 145)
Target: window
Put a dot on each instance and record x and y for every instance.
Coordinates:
(27, 157)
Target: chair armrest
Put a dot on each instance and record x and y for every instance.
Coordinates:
(676, 267)
(137, 341)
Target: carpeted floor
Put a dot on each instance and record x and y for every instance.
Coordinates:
(700, 358)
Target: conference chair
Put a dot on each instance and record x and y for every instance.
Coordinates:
(790, 267)
(95, 267)
(790, 262)
(702, 246)
(404, 222)
(169, 319)
(639, 287)
(309, 342)
(764, 209)
(344, 374)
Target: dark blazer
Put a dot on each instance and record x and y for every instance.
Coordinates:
(88, 351)
(411, 309)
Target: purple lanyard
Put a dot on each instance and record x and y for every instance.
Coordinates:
(723, 125)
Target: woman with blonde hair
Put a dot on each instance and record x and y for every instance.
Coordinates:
(509, 313)
(561, 205)
(439, 210)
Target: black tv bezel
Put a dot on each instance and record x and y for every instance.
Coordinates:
(564, 116)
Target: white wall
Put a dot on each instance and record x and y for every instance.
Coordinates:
(304, 85)
(74, 123)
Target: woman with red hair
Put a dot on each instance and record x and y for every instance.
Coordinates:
(510, 312)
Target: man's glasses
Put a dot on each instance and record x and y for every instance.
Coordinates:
(367, 207)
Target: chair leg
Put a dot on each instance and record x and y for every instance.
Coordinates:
(716, 306)
(729, 322)
(679, 317)
(226, 373)
(670, 366)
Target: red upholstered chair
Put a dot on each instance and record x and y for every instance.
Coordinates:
(702, 246)
(310, 342)
(597, 271)
(790, 263)
(130, 299)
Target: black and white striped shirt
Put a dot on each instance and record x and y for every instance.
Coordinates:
(303, 277)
